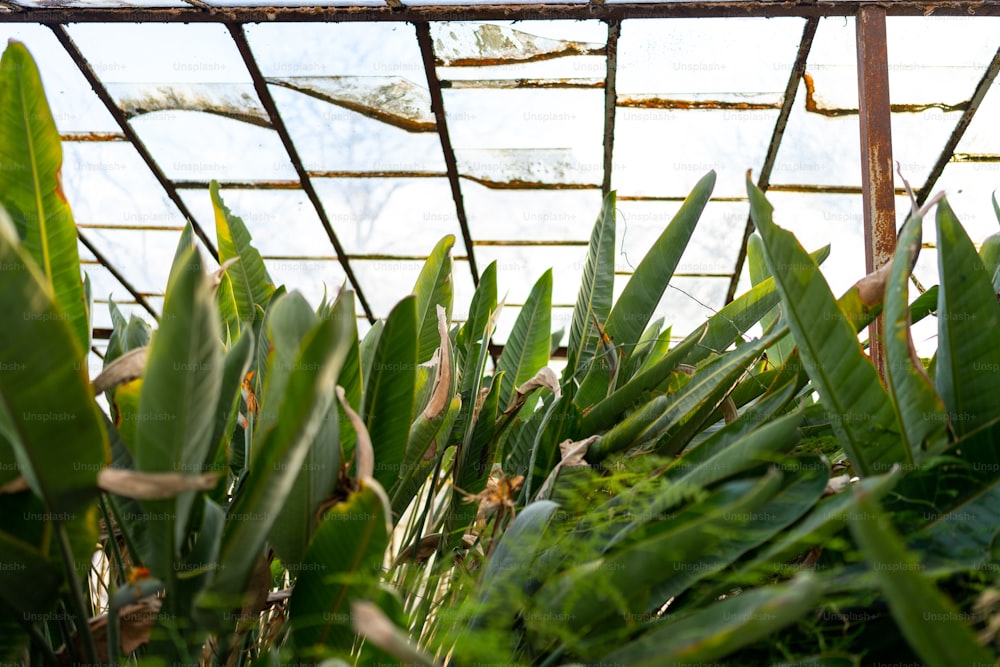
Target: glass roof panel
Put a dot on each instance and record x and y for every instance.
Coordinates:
(311, 277)
(969, 187)
(938, 60)
(572, 119)
(208, 54)
(530, 215)
(818, 149)
(519, 268)
(368, 215)
(663, 152)
(821, 219)
(74, 106)
(143, 257)
(333, 138)
(683, 56)
(281, 222)
(711, 250)
(336, 49)
(386, 281)
(103, 285)
(688, 302)
(107, 183)
(194, 146)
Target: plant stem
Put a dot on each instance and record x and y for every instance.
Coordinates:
(76, 593)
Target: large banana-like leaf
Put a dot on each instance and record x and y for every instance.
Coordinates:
(290, 322)
(920, 410)
(593, 303)
(54, 424)
(968, 358)
(778, 353)
(527, 348)
(308, 394)
(847, 382)
(950, 503)
(342, 565)
(508, 574)
(350, 373)
(31, 187)
(644, 289)
(650, 423)
(473, 334)
(929, 620)
(390, 386)
(251, 284)
(707, 635)
(434, 288)
(182, 382)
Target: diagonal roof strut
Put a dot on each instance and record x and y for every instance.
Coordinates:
(260, 85)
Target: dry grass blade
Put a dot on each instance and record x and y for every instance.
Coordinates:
(136, 622)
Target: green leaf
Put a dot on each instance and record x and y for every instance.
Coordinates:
(709, 634)
(173, 432)
(644, 289)
(390, 387)
(434, 287)
(308, 395)
(31, 189)
(350, 373)
(343, 564)
(508, 574)
(291, 321)
(920, 410)
(593, 303)
(930, 621)
(847, 382)
(527, 348)
(778, 353)
(252, 286)
(708, 387)
(55, 425)
(229, 316)
(968, 358)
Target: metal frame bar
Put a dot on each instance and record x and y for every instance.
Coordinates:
(136, 294)
(450, 161)
(610, 103)
(764, 181)
(947, 153)
(260, 85)
(499, 12)
(876, 153)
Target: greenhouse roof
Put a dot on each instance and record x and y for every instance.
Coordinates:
(351, 136)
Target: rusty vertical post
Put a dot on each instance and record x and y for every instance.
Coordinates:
(876, 154)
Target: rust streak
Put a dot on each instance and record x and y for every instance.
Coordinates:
(459, 84)
(667, 103)
(814, 106)
(93, 136)
(519, 184)
(570, 49)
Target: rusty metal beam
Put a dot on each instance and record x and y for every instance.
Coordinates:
(102, 92)
(610, 103)
(496, 12)
(764, 181)
(129, 287)
(260, 85)
(450, 161)
(876, 153)
(961, 126)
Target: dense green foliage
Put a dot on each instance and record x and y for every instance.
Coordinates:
(270, 487)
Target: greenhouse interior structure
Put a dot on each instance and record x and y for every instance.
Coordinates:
(448, 332)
